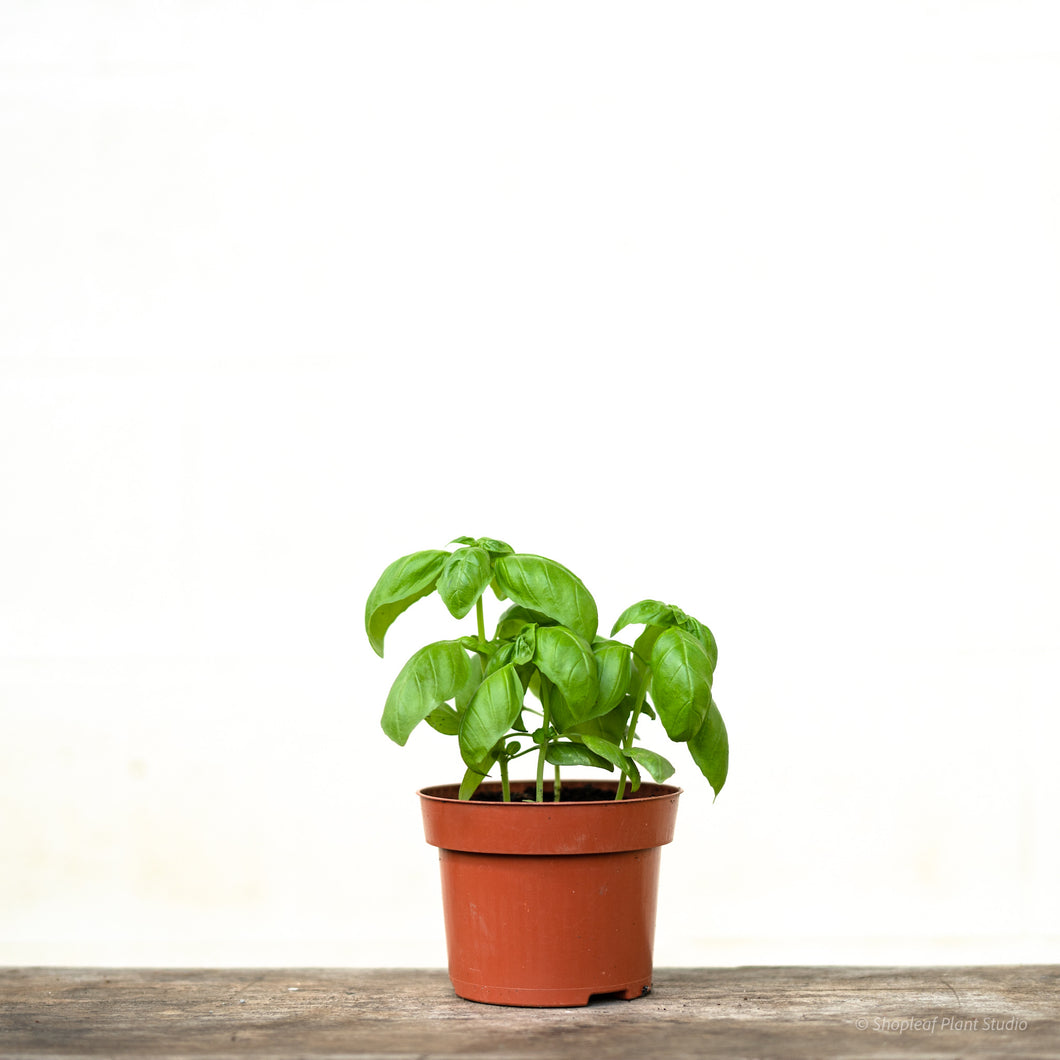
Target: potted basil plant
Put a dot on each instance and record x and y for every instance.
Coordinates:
(549, 885)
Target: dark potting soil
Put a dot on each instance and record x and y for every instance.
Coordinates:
(567, 793)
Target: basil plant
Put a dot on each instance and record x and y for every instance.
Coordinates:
(592, 692)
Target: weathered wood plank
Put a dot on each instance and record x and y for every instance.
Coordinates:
(794, 1013)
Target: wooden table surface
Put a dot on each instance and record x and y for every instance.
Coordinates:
(793, 1013)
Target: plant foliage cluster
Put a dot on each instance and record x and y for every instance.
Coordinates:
(592, 692)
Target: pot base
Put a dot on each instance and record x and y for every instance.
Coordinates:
(559, 997)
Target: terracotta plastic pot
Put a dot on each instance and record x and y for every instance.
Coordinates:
(547, 904)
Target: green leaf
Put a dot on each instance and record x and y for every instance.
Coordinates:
(404, 582)
(658, 767)
(474, 776)
(502, 656)
(609, 751)
(464, 579)
(613, 672)
(641, 661)
(705, 637)
(475, 674)
(657, 616)
(525, 672)
(432, 676)
(642, 648)
(493, 546)
(509, 629)
(681, 680)
(515, 618)
(526, 615)
(710, 749)
(543, 585)
(613, 753)
(525, 645)
(575, 754)
(568, 662)
(561, 716)
(490, 714)
(649, 612)
(445, 720)
(462, 541)
(611, 726)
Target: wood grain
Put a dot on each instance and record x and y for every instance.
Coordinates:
(793, 1013)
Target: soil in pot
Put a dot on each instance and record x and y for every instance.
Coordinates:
(578, 792)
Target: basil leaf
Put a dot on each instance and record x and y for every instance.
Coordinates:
(681, 680)
(509, 628)
(657, 616)
(474, 776)
(613, 753)
(404, 582)
(613, 672)
(515, 618)
(575, 754)
(609, 751)
(502, 656)
(493, 546)
(642, 648)
(464, 579)
(525, 614)
(525, 645)
(658, 767)
(568, 662)
(432, 676)
(490, 714)
(462, 541)
(470, 686)
(547, 586)
(559, 713)
(710, 749)
(445, 720)
(705, 637)
(611, 726)
(649, 612)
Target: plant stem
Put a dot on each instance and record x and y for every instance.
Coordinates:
(545, 722)
(632, 729)
(556, 786)
(506, 792)
(480, 619)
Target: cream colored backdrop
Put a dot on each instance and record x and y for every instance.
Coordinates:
(748, 306)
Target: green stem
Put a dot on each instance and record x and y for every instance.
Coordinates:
(556, 787)
(627, 744)
(545, 722)
(506, 792)
(481, 620)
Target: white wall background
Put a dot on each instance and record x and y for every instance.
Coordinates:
(750, 306)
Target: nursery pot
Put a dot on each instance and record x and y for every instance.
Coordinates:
(549, 903)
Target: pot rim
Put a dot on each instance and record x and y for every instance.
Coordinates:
(577, 827)
(646, 792)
